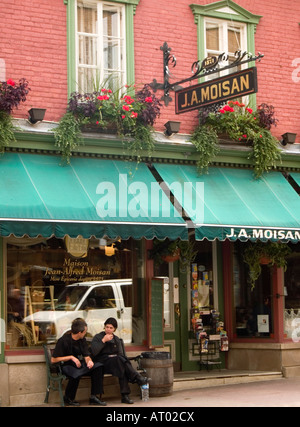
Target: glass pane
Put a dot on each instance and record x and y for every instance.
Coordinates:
(234, 40)
(48, 287)
(87, 80)
(87, 47)
(212, 37)
(111, 23)
(292, 295)
(99, 297)
(253, 308)
(87, 19)
(127, 295)
(111, 55)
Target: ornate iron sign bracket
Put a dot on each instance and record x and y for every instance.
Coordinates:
(208, 66)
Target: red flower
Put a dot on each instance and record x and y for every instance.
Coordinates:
(134, 115)
(249, 110)
(244, 136)
(11, 82)
(126, 107)
(227, 108)
(149, 99)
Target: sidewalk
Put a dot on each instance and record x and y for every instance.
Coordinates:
(283, 392)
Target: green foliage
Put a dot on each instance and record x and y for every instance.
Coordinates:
(275, 252)
(6, 130)
(265, 153)
(131, 115)
(163, 248)
(139, 139)
(205, 139)
(241, 124)
(67, 136)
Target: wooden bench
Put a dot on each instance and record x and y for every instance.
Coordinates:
(55, 376)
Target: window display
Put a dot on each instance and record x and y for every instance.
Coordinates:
(291, 294)
(253, 305)
(50, 282)
(206, 324)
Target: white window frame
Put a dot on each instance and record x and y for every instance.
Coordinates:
(224, 26)
(121, 41)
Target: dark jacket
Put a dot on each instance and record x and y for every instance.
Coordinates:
(66, 346)
(101, 351)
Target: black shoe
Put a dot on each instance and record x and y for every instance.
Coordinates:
(70, 402)
(140, 379)
(95, 401)
(126, 399)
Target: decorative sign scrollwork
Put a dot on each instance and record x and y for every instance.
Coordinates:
(209, 65)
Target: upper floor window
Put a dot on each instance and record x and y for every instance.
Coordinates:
(100, 45)
(224, 37)
(224, 26)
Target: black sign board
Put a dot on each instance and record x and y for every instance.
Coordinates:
(234, 85)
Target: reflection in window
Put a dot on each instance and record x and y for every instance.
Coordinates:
(43, 294)
(291, 292)
(253, 308)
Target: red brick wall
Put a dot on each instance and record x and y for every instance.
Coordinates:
(33, 45)
(277, 37)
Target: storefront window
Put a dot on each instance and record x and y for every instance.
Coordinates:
(252, 307)
(52, 281)
(291, 293)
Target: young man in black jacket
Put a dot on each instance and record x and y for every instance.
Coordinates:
(108, 349)
(72, 350)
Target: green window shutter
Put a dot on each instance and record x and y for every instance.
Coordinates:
(130, 7)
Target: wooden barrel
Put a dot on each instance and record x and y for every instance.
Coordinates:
(159, 368)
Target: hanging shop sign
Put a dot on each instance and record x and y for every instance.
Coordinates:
(218, 90)
(215, 92)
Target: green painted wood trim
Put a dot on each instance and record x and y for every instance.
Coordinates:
(71, 45)
(130, 11)
(130, 8)
(100, 145)
(212, 10)
(2, 293)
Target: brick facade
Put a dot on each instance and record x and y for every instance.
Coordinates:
(33, 44)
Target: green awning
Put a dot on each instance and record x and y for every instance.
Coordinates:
(90, 197)
(230, 204)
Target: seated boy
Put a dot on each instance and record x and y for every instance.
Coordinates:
(72, 350)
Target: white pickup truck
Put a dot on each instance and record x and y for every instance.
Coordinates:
(92, 301)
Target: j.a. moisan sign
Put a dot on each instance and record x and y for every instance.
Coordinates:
(234, 85)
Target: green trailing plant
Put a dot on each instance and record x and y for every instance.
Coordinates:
(139, 140)
(67, 136)
(205, 139)
(131, 114)
(265, 153)
(179, 249)
(7, 135)
(241, 124)
(275, 252)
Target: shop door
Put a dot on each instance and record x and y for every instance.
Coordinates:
(177, 333)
